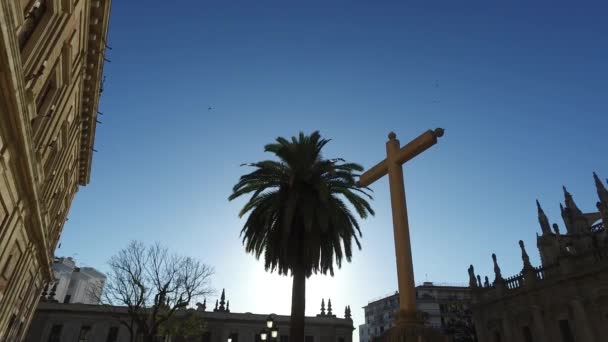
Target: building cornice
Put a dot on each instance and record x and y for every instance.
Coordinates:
(97, 25)
(209, 316)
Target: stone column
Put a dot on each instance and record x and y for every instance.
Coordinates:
(539, 324)
(581, 324)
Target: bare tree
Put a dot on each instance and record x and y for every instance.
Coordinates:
(152, 284)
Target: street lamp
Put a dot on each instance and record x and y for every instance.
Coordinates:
(271, 331)
(274, 333)
(269, 322)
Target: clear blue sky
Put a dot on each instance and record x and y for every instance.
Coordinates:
(520, 89)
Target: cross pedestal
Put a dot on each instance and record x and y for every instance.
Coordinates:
(409, 323)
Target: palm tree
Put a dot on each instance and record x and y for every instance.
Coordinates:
(298, 217)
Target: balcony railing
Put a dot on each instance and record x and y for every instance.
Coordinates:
(515, 281)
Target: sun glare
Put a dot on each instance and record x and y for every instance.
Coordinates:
(272, 293)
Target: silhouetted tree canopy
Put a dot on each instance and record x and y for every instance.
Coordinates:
(153, 284)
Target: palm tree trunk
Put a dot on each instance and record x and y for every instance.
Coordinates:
(298, 305)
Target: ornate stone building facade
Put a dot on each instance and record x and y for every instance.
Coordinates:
(51, 60)
(564, 299)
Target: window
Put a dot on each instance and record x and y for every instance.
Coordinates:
(235, 337)
(44, 105)
(341, 339)
(309, 339)
(83, 336)
(11, 262)
(284, 338)
(527, 334)
(564, 328)
(32, 15)
(207, 336)
(55, 335)
(112, 334)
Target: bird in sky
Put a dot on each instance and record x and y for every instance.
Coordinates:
(209, 108)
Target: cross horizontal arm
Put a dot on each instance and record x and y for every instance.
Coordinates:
(407, 152)
(419, 145)
(373, 174)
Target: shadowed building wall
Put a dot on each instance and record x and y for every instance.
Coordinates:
(51, 61)
(98, 323)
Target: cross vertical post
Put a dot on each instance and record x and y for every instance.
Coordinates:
(403, 252)
(409, 323)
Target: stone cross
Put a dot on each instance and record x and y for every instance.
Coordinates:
(393, 166)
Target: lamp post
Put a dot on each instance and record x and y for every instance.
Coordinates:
(270, 332)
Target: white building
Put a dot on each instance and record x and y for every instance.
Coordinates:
(431, 299)
(100, 323)
(74, 284)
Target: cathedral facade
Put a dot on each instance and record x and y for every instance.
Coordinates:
(563, 299)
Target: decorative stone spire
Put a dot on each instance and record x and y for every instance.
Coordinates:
(602, 193)
(204, 306)
(571, 212)
(567, 217)
(479, 281)
(542, 219)
(575, 220)
(570, 202)
(556, 229)
(486, 283)
(498, 276)
(322, 307)
(347, 314)
(524, 256)
(329, 307)
(223, 301)
(228, 306)
(216, 308)
(472, 281)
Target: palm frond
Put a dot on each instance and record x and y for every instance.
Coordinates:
(299, 210)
